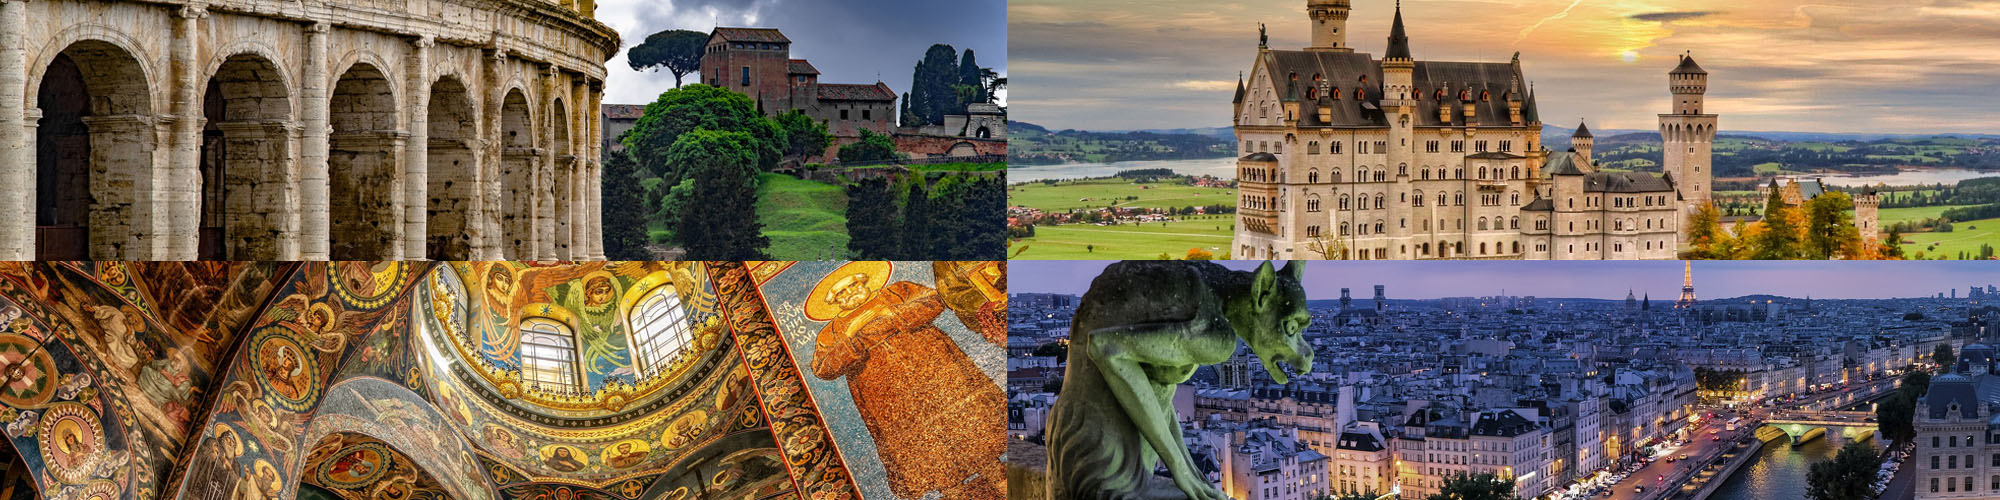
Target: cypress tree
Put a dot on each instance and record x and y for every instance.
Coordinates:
(625, 210)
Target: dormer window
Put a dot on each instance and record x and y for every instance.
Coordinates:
(1336, 93)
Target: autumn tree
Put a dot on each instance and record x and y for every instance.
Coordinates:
(1780, 238)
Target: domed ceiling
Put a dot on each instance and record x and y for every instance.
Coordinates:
(503, 380)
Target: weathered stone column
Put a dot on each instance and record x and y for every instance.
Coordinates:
(545, 203)
(595, 181)
(416, 156)
(181, 186)
(490, 163)
(17, 148)
(315, 222)
(579, 204)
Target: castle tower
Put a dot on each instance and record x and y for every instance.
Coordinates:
(1687, 286)
(1329, 25)
(1865, 215)
(1400, 107)
(1381, 299)
(1688, 136)
(1582, 141)
(1345, 299)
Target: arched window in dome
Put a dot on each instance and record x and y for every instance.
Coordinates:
(548, 356)
(660, 329)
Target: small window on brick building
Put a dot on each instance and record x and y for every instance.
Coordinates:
(843, 114)
(864, 115)
(746, 76)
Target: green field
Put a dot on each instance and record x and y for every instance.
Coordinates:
(1893, 215)
(1966, 237)
(1105, 192)
(1144, 241)
(805, 220)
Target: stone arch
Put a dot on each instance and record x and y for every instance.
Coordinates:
(68, 38)
(364, 164)
(453, 170)
(96, 164)
(962, 149)
(245, 160)
(517, 171)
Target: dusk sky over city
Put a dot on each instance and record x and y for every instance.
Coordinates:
(1779, 65)
(849, 41)
(1579, 279)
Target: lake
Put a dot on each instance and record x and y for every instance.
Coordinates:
(1908, 177)
(1219, 167)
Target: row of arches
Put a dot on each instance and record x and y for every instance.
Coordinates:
(108, 183)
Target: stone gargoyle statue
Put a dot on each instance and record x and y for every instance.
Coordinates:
(1141, 329)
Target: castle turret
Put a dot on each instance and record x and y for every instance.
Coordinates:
(1399, 105)
(1688, 137)
(1329, 25)
(1582, 141)
(1866, 217)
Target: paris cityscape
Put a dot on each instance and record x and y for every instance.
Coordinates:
(1568, 389)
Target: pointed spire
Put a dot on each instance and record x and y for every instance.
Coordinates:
(1239, 88)
(1582, 131)
(1399, 43)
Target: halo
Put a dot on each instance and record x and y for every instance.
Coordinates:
(875, 272)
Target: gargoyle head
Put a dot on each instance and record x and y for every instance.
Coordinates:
(1273, 317)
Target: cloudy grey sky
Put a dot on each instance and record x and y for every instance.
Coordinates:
(1580, 279)
(850, 41)
(1776, 65)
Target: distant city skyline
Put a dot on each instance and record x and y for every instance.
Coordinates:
(1580, 279)
(1779, 65)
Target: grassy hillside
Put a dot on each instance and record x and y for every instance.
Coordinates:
(805, 220)
(1965, 237)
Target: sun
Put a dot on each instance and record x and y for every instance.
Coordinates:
(1630, 55)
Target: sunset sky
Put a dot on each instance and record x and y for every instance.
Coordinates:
(1578, 279)
(849, 41)
(1917, 66)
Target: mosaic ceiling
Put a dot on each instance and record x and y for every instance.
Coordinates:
(401, 381)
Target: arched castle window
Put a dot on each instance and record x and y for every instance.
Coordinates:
(1343, 204)
(1458, 198)
(1312, 93)
(1514, 223)
(1312, 176)
(1403, 170)
(1458, 173)
(1482, 225)
(548, 356)
(1336, 173)
(1482, 173)
(1381, 175)
(1343, 229)
(1379, 224)
(1515, 198)
(1312, 147)
(1417, 197)
(1517, 172)
(1312, 203)
(1361, 175)
(1378, 201)
(660, 329)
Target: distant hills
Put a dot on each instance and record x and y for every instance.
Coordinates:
(1030, 144)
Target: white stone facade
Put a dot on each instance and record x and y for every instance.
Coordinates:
(266, 130)
(1345, 156)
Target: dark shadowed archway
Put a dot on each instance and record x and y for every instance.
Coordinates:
(94, 155)
(364, 165)
(246, 171)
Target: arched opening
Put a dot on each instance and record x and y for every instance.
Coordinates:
(246, 151)
(517, 178)
(364, 165)
(94, 155)
(983, 133)
(963, 149)
(452, 168)
(349, 465)
(560, 182)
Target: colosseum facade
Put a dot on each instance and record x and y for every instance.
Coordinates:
(300, 129)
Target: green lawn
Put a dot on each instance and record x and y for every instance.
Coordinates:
(1963, 238)
(1146, 241)
(1893, 215)
(805, 220)
(1103, 192)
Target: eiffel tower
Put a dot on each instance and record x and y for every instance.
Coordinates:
(1687, 286)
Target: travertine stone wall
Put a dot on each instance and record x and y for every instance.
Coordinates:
(337, 138)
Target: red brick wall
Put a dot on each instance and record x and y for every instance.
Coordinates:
(768, 70)
(918, 146)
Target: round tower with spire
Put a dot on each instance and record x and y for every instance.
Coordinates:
(1329, 24)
